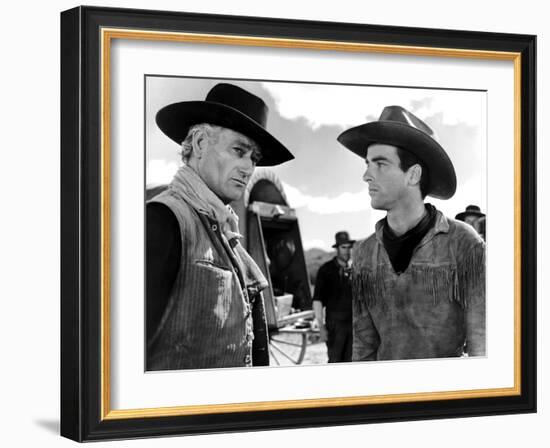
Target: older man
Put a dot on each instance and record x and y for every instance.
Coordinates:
(419, 280)
(204, 303)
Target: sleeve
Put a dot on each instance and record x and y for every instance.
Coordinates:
(473, 290)
(366, 338)
(365, 335)
(260, 350)
(163, 252)
(320, 285)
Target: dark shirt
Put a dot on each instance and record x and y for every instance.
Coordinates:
(163, 256)
(400, 248)
(333, 290)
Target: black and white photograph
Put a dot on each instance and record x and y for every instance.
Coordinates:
(276, 224)
(301, 223)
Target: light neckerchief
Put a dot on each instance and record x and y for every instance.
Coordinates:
(190, 186)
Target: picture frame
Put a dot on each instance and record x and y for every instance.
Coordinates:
(87, 173)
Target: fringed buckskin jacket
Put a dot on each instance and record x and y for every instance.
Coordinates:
(434, 309)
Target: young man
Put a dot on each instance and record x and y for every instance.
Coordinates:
(332, 301)
(204, 302)
(419, 280)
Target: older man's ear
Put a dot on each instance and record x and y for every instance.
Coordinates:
(200, 143)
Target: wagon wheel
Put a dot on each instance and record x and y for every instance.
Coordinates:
(287, 348)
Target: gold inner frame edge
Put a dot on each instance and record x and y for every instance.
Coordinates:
(107, 34)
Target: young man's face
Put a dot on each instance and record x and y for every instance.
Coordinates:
(227, 163)
(387, 181)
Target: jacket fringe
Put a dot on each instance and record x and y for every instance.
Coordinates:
(471, 275)
(368, 287)
(445, 282)
(441, 282)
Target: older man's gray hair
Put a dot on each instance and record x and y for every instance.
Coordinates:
(211, 131)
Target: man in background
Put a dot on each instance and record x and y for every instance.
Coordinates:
(475, 217)
(332, 301)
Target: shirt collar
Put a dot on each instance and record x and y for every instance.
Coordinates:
(441, 226)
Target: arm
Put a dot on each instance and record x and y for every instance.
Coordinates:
(319, 312)
(318, 303)
(365, 335)
(163, 252)
(474, 300)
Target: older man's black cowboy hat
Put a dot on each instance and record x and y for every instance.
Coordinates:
(399, 127)
(342, 238)
(231, 107)
(471, 210)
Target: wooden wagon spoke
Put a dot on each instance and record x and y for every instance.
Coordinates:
(284, 354)
(281, 341)
(272, 356)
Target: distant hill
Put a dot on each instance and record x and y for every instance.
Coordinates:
(314, 259)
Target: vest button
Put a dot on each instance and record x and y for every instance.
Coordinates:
(247, 360)
(214, 227)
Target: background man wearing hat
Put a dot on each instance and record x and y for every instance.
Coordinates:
(473, 216)
(332, 301)
(419, 280)
(204, 302)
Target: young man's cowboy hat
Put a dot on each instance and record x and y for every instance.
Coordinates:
(228, 106)
(399, 127)
(342, 238)
(471, 210)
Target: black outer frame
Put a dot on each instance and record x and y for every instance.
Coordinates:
(81, 223)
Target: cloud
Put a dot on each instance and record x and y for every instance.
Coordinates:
(454, 108)
(346, 106)
(160, 171)
(323, 205)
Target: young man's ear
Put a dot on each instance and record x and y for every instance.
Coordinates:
(415, 174)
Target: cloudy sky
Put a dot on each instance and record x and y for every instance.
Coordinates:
(324, 182)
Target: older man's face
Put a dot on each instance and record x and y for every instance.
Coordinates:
(227, 164)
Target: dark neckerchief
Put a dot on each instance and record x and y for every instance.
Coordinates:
(344, 270)
(400, 248)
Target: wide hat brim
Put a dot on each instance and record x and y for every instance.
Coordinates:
(335, 245)
(462, 215)
(176, 119)
(441, 173)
